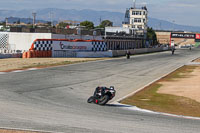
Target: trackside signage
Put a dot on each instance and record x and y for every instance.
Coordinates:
(183, 35)
(197, 36)
(73, 46)
(197, 39)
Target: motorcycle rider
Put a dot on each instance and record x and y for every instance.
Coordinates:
(99, 91)
(102, 95)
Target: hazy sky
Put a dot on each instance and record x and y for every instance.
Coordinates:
(185, 12)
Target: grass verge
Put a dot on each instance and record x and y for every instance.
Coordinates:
(148, 98)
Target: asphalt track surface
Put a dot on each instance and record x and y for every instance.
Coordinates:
(54, 99)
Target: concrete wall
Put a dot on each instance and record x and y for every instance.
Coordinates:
(23, 41)
(94, 54)
(117, 53)
(16, 55)
(110, 53)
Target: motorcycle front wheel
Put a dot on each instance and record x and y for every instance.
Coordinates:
(103, 100)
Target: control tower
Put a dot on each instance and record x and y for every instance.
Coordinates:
(136, 19)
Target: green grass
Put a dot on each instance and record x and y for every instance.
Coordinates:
(149, 99)
(197, 44)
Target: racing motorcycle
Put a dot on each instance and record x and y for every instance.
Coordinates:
(102, 95)
(173, 50)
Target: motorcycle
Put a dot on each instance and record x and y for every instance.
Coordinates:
(102, 97)
(173, 50)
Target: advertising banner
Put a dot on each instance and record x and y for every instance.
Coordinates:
(183, 35)
(197, 39)
(72, 46)
(197, 36)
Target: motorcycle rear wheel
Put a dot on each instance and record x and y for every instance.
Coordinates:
(91, 99)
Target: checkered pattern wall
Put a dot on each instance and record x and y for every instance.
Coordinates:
(4, 41)
(99, 46)
(43, 45)
(47, 45)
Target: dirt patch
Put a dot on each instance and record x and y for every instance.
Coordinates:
(177, 93)
(197, 60)
(19, 63)
(187, 87)
(17, 131)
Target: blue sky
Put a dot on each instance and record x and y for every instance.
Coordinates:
(185, 12)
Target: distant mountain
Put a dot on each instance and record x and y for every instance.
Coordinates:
(165, 25)
(64, 14)
(23, 20)
(91, 15)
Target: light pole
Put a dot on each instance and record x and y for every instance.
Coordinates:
(134, 3)
(173, 25)
(34, 19)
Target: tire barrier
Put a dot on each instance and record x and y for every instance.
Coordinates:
(37, 54)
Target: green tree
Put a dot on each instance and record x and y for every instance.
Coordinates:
(3, 23)
(151, 35)
(105, 23)
(87, 24)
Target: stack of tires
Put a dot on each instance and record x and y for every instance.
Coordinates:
(37, 54)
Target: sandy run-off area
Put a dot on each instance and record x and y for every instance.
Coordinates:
(19, 63)
(197, 60)
(188, 86)
(17, 131)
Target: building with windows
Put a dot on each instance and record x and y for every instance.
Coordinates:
(136, 19)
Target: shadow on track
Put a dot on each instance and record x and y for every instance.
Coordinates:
(117, 105)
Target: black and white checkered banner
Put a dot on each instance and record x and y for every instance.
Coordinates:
(99, 46)
(45, 45)
(4, 41)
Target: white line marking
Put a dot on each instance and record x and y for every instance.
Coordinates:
(134, 108)
(2, 72)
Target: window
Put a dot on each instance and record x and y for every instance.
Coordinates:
(137, 20)
(136, 13)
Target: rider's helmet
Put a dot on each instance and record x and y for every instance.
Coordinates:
(98, 89)
(112, 87)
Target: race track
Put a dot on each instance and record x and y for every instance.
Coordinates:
(54, 99)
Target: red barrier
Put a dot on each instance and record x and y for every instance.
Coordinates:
(24, 55)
